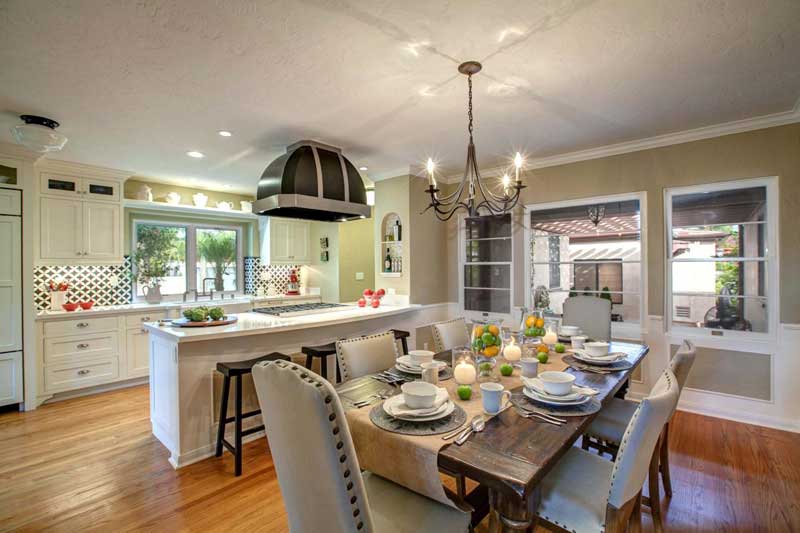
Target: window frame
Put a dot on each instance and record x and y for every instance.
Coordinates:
(771, 258)
(619, 330)
(191, 254)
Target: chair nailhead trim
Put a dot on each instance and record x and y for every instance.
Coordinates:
(332, 417)
(342, 458)
(339, 445)
(360, 525)
(350, 486)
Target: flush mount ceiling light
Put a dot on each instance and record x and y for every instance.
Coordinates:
(39, 134)
(196, 155)
(224, 133)
(471, 182)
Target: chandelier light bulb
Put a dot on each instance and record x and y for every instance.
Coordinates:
(518, 160)
(506, 181)
(430, 166)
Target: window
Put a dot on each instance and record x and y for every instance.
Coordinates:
(718, 258)
(486, 263)
(570, 255)
(188, 257)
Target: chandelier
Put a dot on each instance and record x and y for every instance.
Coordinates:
(471, 182)
(596, 213)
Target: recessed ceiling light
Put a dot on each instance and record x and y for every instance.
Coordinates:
(226, 186)
(224, 133)
(363, 168)
(196, 155)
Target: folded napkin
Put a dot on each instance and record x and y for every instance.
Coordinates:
(608, 357)
(535, 384)
(441, 398)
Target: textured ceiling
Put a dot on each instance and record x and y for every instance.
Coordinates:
(136, 84)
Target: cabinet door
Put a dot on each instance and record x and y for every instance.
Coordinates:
(10, 378)
(300, 246)
(62, 228)
(60, 185)
(10, 284)
(10, 202)
(280, 232)
(101, 231)
(137, 352)
(100, 190)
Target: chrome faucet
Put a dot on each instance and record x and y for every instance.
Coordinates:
(205, 292)
(189, 292)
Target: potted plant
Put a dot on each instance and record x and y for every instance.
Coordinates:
(218, 249)
(156, 248)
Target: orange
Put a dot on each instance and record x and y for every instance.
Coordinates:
(478, 331)
(540, 322)
(530, 322)
(491, 351)
(494, 330)
(542, 348)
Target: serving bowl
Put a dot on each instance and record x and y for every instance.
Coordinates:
(569, 331)
(557, 383)
(86, 305)
(421, 356)
(419, 394)
(70, 306)
(596, 349)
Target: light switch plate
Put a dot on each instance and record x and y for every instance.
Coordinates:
(359, 276)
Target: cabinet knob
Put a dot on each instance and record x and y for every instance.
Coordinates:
(83, 372)
(83, 345)
(82, 325)
(145, 319)
(144, 330)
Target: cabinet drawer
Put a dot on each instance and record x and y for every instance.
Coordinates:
(134, 321)
(78, 348)
(68, 377)
(80, 326)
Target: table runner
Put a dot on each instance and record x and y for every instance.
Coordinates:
(412, 461)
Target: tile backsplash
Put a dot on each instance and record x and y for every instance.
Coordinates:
(105, 284)
(112, 284)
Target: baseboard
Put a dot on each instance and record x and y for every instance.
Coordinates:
(204, 452)
(744, 417)
(96, 390)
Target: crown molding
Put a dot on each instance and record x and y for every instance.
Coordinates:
(659, 141)
(82, 169)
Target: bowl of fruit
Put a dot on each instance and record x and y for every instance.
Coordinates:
(487, 344)
(532, 326)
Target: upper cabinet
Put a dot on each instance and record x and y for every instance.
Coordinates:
(285, 241)
(80, 218)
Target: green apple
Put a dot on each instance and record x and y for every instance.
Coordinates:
(543, 357)
(506, 370)
(464, 392)
(530, 332)
(560, 348)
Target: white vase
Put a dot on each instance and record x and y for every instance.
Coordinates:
(199, 199)
(152, 295)
(145, 193)
(57, 299)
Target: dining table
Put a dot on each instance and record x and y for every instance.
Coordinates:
(508, 459)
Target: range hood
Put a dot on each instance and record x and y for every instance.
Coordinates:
(312, 181)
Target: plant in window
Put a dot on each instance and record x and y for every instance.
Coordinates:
(157, 248)
(605, 293)
(541, 297)
(219, 249)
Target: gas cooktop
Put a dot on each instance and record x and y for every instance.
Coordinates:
(300, 309)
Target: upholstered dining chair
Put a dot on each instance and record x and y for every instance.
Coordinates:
(586, 493)
(450, 334)
(606, 431)
(360, 356)
(591, 314)
(322, 485)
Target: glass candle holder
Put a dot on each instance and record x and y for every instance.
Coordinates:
(465, 370)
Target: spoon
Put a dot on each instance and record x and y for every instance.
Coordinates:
(478, 425)
(461, 430)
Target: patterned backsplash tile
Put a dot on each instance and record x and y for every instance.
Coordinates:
(105, 284)
(260, 279)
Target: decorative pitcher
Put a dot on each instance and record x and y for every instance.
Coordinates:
(199, 199)
(152, 295)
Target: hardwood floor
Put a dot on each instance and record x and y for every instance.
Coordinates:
(91, 464)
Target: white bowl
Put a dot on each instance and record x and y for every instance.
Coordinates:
(419, 394)
(596, 349)
(569, 331)
(421, 356)
(557, 383)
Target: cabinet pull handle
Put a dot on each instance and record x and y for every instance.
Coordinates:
(145, 319)
(144, 330)
(82, 325)
(83, 345)
(83, 372)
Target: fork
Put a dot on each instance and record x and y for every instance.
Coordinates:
(532, 411)
(525, 414)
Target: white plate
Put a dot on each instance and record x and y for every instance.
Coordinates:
(407, 361)
(446, 410)
(538, 387)
(533, 395)
(402, 367)
(580, 355)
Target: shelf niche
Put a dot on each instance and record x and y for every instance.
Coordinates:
(395, 247)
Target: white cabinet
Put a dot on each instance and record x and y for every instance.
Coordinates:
(85, 188)
(10, 284)
(137, 352)
(10, 202)
(10, 378)
(285, 241)
(77, 229)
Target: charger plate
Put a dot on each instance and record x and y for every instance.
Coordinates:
(385, 421)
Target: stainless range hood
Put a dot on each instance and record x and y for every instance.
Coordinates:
(312, 181)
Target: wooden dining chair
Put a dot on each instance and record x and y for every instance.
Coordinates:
(321, 483)
(360, 356)
(591, 314)
(585, 493)
(607, 429)
(450, 334)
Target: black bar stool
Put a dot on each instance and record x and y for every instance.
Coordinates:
(236, 370)
(324, 350)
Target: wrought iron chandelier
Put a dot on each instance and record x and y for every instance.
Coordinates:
(596, 213)
(471, 182)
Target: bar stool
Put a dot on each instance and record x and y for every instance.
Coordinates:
(324, 350)
(237, 369)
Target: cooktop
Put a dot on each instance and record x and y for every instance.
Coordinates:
(300, 309)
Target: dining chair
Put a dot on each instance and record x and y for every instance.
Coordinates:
(585, 493)
(360, 356)
(450, 334)
(607, 429)
(591, 314)
(321, 483)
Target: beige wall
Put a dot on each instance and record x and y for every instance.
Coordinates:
(356, 254)
(767, 152)
(160, 191)
(428, 248)
(392, 196)
(324, 275)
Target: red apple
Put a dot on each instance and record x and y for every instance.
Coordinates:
(368, 293)
(376, 302)
(362, 302)
(380, 293)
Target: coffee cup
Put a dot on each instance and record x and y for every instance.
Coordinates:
(493, 394)
(530, 367)
(578, 341)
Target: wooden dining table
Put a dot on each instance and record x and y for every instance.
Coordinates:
(511, 456)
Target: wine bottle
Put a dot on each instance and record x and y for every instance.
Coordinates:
(387, 263)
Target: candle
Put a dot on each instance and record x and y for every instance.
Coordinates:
(431, 179)
(517, 165)
(550, 337)
(465, 373)
(512, 352)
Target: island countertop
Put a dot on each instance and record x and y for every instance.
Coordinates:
(258, 323)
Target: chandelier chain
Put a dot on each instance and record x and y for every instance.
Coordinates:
(469, 112)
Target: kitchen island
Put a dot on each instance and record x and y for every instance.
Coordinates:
(185, 386)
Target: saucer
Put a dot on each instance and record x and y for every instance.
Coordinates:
(446, 409)
(536, 385)
(533, 395)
